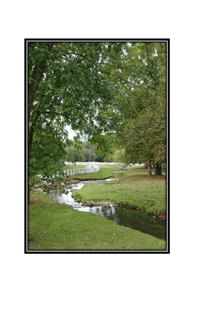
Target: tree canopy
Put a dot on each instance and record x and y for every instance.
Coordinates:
(137, 112)
(66, 86)
(74, 154)
(115, 93)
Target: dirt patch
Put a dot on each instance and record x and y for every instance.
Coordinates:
(33, 200)
(160, 216)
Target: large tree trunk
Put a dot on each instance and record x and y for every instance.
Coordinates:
(32, 90)
(149, 169)
(37, 76)
(158, 169)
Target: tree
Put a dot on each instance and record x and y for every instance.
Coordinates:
(89, 151)
(47, 150)
(74, 154)
(104, 90)
(145, 138)
(118, 155)
(137, 113)
(66, 86)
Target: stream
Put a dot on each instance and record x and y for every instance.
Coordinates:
(126, 217)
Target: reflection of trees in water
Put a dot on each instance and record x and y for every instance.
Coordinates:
(53, 195)
(132, 219)
(105, 211)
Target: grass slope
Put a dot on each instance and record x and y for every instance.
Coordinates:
(136, 189)
(54, 226)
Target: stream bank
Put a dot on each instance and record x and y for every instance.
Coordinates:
(122, 215)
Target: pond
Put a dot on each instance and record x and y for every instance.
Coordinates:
(126, 217)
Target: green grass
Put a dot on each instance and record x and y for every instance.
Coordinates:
(72, 166)
(104, 173)
(54, 226)
(136, 189)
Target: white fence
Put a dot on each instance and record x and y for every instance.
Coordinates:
(99, 163)
(91, 169)
(110, 163)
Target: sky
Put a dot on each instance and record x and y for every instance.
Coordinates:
(71, 133)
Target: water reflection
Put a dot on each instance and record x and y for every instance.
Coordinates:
(130, 218)
(122, 216)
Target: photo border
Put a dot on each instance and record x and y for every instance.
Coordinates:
(167, 40)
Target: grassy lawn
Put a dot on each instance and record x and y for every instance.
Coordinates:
(54, 226)
(136, 189)
(72, 166)
(104, 173)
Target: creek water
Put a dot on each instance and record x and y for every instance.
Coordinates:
(126, 217)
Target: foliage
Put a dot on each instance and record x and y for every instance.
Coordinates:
(74, 154)
(66, 86)
(136, 116)
(89, 151)
(118, 155)
(114, 93)
(83, 151)
(145, 137)
(99, 156)
(46, 151)
(105, 146)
